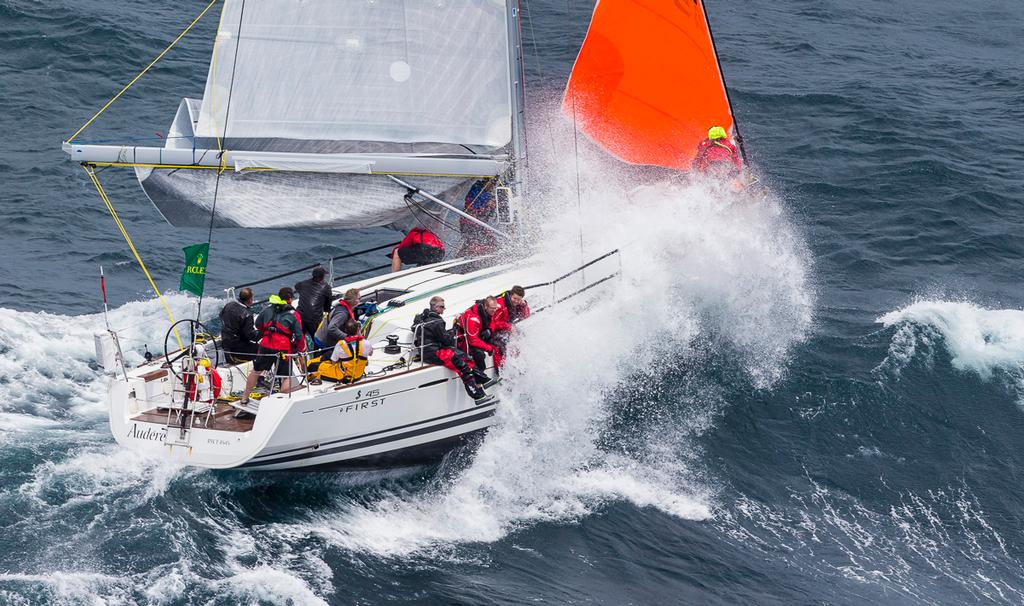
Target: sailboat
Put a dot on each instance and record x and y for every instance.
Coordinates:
(341, 112)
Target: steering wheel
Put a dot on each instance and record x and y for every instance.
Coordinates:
(198, 334)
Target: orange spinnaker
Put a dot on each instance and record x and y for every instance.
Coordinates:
(646, 84)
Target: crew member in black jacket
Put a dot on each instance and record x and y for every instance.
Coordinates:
(314, 300)
(437, 346)
(238, 328)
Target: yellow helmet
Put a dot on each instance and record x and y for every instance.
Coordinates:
(717, 132)
(205, 363)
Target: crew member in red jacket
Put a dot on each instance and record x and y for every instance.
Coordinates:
(419, 247)
(475, 335)
(717, 155)
(512, 307)
(281, 335)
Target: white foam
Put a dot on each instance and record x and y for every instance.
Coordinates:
(14, 422)
(48, 364)
(95, 471)
(267, 585)
(75, 587)
(698, 267)
(978, 340)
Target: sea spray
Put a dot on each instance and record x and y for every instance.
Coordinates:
(700, 267)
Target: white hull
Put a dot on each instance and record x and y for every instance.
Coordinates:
(409, 418)
(402, 412)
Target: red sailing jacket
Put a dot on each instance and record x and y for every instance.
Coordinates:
(474, 321)
(422, 237)
(717, 154)
(280, 327)
(502, 319)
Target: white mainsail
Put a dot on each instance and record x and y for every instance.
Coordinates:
(401, 71)
(332, 95)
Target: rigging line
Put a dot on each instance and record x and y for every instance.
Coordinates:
(721, 74)
(124, 233)
(410, 203)
(143, 72)
(227, 113)
(540, 68)
(576, 155)
(301, 269)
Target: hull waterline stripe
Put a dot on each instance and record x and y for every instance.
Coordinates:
(347, 447)
(365, 435)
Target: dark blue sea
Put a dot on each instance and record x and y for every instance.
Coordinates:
(817, 398)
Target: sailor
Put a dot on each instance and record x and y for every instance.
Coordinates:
(331, 330)
(437, 346)
(314, 300)
(480, 204)
(717, 155)
(512, 308)
(419, 247)
(238, 329)
(350, 355)
(280, 336)
(475, 335)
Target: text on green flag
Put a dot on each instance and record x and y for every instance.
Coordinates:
(194, 276)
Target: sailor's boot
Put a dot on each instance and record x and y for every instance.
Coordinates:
(481, 377)
(475, 391)
(466, 373)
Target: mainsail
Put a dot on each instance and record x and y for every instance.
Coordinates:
(308, 106)
(646, 85)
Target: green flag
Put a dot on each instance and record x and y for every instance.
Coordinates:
(194, 276)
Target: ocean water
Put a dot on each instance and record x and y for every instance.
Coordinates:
(815, 399)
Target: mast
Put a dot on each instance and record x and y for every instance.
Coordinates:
(518, 77)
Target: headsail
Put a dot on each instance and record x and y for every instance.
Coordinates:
(646, 85)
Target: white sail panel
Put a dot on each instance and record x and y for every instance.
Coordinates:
(286, 200)
(404, 71)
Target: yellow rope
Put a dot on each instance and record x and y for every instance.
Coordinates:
(124, 232)
(143, 72)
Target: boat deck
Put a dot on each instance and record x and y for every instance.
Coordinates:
(222, 419)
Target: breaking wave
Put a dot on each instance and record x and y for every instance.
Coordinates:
(986, 342)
